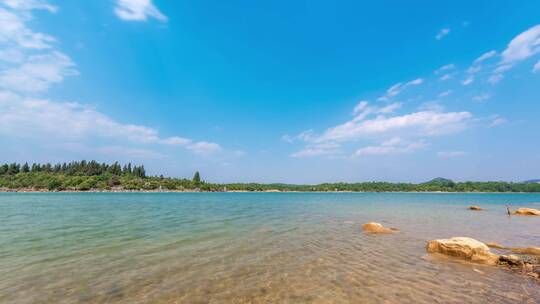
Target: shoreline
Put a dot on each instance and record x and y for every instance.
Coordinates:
(245, 191)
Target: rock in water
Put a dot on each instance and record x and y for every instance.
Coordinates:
(464, 248)
(475, 208)
(377, 228)
(510, 260)
(495, 245)
(527, 211)
(529, 250)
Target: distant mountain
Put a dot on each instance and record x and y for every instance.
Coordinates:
(532, 181)
(440, 180)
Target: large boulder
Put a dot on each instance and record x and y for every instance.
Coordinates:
(465, 248)
(527, 211)
(377, 228)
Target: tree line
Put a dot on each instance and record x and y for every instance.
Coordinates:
(91, 175)
(88, 168)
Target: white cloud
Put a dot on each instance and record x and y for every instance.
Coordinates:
(129, 152)
(444, 94)
(477, 63)
(502, 68)
(442, 33)
(522, 46)
(497, 120)
(398, 87)
(450, 154)
(315, 151)
(14, 32)
(495, 78)
(536, 67)
(204, 148)
(432, 106)
(445, 77)
(38, 73)
(138, 10)
(39, 118)
(176, 141)
(30, 5)
(303, 136)
(11, 55)
(376, 122)
(422, 123)
(467, 81)
(445, 68)
(485, 57)
(481, 97)
(32, 65)
(287, 138)
(319, 149)
(361, 106)
(393, 146)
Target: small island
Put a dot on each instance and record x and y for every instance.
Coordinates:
(94, 176)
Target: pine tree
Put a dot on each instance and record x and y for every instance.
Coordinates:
(197, 178)
(13, 169)
(25, 168)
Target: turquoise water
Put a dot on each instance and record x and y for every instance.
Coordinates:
(255, 248)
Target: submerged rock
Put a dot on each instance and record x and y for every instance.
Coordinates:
(527, 211)
(496, 246)
(465, 248)
(528, 250)
(377, 228)
(475, 208)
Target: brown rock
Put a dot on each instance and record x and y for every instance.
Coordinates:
(527, 211)
(475, 208)
(528, 250)
(496, 246)
(377, 228)
(464, 248)
(510, 260)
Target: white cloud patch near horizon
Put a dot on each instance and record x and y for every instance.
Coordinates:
(138, 10)
(450, 154)
(374, 122)
(27, 117)
(390, 147)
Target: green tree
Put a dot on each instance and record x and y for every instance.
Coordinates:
(197, 178)
(3, 169)
(25, 168)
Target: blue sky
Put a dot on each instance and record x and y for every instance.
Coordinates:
(302, 92)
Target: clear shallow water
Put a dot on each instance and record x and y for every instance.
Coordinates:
(254, 248)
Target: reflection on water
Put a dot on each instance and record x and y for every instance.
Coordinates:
(255, 248)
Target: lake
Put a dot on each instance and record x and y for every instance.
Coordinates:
(255, 248)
